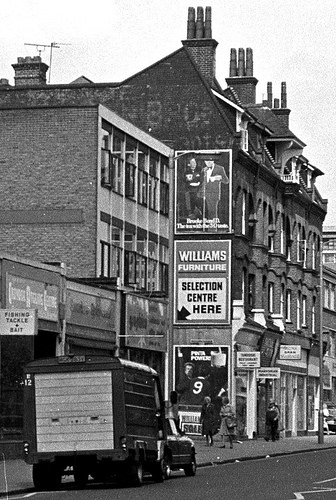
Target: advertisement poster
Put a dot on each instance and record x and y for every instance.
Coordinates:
(146, 323)
(199, 371)
(203, 191)
(202, 281)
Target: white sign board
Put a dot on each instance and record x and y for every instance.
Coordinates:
(18, 322)
(290, 352)
(248, 359)
(268, 372)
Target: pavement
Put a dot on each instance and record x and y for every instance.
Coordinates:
(16, 475)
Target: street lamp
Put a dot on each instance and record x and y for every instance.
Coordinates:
(321, 416)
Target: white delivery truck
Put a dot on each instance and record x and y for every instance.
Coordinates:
(93, 415)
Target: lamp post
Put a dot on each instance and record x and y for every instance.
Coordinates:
(321, 416)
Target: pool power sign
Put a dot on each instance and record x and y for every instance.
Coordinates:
(202, 281)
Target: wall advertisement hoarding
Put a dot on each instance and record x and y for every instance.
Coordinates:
(202, 281)
(203, 191)
(146, 323)
(199, 371)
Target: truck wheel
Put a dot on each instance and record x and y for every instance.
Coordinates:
(81, 475)
(46, 477)
(162, 470)
(190, 469)
(136, 474)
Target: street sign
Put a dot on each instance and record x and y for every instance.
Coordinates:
(268, 372)
(248, 359)
(18, 322)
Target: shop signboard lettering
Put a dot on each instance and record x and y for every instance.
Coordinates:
(23, 293)
(202, 284)
(268, 372)
(290, 352)
(248, 359)
(18, 322)
(146, 323)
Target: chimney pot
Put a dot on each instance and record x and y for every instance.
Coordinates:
(233, 62)
(249, 62)
(191, 28)
(207, 23)
(200, 23)
(276, 103)
(241, 62)
(283, 95)
(269, 94)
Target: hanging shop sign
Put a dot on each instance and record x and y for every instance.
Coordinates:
(290, 352)
(202, 281)
(18, 322)
(203, 191)
(268, 372)
(248, 359)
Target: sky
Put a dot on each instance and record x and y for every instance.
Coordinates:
(293, 41)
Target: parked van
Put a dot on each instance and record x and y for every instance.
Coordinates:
(93, 415)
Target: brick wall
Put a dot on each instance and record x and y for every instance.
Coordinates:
(48, 199)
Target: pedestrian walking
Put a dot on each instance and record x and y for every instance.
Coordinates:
(228, 422)
(272, 421)
(208, 420)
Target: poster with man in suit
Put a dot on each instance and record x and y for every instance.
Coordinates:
(203, 192)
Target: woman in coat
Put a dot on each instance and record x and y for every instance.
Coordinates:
(228, 422)
(208, 420)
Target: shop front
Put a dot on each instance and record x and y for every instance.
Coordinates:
(30, 328)
(92, 319)
(144, 336)
(297, 390)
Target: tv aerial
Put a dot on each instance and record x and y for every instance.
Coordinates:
(41, 48)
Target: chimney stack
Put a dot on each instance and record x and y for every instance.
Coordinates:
(200, 43)
(30, 71)
(283, 112)
(241, 77)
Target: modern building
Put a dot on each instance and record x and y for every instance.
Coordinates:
(246, 229)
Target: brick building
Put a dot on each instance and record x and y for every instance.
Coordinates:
(256, 248)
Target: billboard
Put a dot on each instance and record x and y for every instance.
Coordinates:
(203, 191)
(200, 370)
(202, 282)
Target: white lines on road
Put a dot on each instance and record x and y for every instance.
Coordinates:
(299, 495)
(325, 480)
